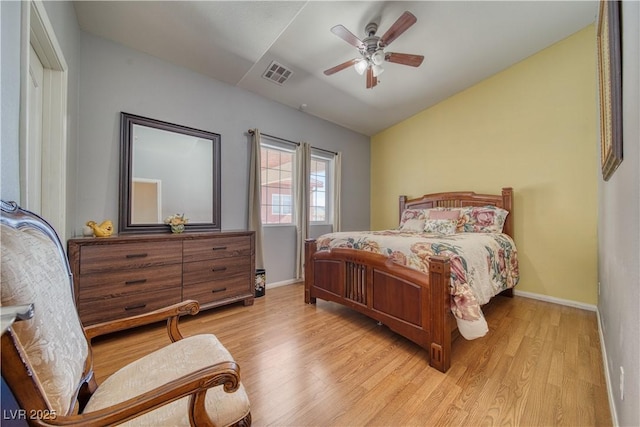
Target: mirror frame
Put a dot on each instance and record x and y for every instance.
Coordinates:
(127, 121)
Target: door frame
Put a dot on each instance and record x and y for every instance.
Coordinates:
(38, 31)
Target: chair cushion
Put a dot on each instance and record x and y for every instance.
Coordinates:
(167, 364)
(34, 271)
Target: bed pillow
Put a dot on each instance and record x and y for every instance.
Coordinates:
(482, 219)
(408, 214)
(441, 226)
(413, 224)
(444, 214)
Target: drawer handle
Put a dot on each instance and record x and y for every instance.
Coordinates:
(133, 307)
(218, 248)
(218, 269)
(135, 282)
(218, 290)
(136, 255)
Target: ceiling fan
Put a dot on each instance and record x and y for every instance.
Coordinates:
(372, 49)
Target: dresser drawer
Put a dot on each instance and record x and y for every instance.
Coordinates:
(218, 290)
(100, 258)
(117, 307)
(214, 270)
(215, 248)
(119, 283)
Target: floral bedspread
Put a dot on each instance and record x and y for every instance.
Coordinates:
(482, 264)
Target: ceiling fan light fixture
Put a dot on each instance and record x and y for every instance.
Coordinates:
(378, 57)
(377, 70)
(361, 66)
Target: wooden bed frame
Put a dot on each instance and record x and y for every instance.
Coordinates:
(413, 304)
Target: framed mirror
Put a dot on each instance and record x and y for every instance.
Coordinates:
(167, 169)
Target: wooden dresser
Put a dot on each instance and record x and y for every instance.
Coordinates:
(126, 275)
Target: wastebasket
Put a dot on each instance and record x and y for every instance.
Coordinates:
(261, 281)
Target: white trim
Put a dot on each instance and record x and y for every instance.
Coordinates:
(38, 31)
(23, 133)
(607, 374)
(555, 300)
(282, 283)
(329, 161)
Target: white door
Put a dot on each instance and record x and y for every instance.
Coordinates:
(43, 116)
(33, 148)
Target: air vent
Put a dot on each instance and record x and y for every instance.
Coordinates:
(277, 73)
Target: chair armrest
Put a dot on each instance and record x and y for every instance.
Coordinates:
(170, 313)
(194, 384)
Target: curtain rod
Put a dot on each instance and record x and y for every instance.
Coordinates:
(251, 132)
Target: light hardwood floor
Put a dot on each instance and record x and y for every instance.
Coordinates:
(326, 365)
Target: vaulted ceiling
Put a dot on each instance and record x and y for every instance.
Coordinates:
(463, 42)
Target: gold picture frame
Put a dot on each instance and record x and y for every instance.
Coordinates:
(610, 86)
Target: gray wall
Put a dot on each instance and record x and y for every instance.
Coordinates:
(619, 239)
(114, 78)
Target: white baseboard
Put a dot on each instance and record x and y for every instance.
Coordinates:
(283, 283)
(555, 300)
(607, 374)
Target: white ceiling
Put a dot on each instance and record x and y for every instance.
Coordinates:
(463, 42)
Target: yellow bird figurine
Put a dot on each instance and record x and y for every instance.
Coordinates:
(103, 230)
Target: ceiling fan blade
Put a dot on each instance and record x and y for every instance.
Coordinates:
(341, 67)
(404, 58)
(372, 80)
(347, 36)
(400, 26)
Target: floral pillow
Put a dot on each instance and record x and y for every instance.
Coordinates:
(408, 214)
(413, 224)
(441, 226)
(482, 219)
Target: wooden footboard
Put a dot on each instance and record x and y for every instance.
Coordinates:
(411, 303)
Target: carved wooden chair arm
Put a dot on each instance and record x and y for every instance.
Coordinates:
(170, 313)
(194, 385)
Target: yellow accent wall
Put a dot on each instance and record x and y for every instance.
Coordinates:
(533, 127)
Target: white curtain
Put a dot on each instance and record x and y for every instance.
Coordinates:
(255, 189)
(337, 191)
(303, 166)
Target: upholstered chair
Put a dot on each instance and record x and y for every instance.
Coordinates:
(47, 361)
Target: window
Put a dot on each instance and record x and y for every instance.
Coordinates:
(320, 188)
(281, 204)
(277, 183)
